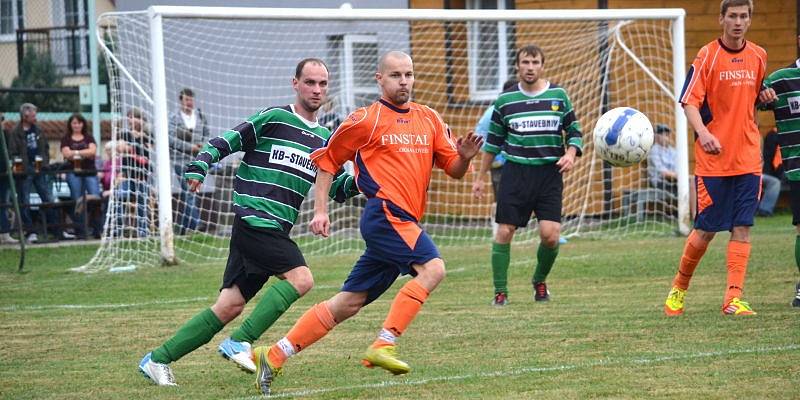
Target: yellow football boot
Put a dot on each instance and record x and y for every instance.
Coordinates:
(674, 304)
(265, 372)
(737, 307)
(386, 358)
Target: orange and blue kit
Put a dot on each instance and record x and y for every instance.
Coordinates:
(723, 84)
(393, 149)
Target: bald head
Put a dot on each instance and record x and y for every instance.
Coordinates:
(391, 58)
(395, 76)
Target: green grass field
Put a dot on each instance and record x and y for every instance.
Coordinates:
(603, 335)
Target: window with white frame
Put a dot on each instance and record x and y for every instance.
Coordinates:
(488, 54)
(10, 19)
(354, 57)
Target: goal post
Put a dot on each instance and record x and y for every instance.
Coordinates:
(240, 60)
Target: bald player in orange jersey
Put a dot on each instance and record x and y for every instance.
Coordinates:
(719, 99)
(394, 143)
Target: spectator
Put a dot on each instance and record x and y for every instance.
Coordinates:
(771, 176)
(78, 149)
(188, 131)
(661, 168)
(5, 225)
(135, 171)
(28, 144)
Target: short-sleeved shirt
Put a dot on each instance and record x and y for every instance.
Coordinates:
(526, 128)
(723, 84)
(83, 144)
(393, 149)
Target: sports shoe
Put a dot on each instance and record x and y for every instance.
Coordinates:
(500, 299)
(737, 307)
(796, 300)
(33, 238)
(238, 352)
(66, 236)
(265, 373)
(6, 238)
(160, 374)
(386, 358)
(540, 292)
(674, 304)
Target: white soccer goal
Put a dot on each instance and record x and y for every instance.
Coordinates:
(240, 60)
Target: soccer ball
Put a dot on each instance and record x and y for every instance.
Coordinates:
(623, 136)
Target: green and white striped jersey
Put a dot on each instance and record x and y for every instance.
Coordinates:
(786, 83)
(527, 128)
(276, 172)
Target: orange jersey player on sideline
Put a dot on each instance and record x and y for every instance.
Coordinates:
(394, 144)
(719, 99)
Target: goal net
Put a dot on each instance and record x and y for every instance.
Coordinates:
(239, 61)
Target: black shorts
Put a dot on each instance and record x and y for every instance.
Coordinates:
(794, 199)
(255, 255)
(526, 189)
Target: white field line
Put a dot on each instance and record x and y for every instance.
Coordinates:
(16, 308)
(529, 370)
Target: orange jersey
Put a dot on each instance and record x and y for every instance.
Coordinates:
(393, 149)
(724, 84)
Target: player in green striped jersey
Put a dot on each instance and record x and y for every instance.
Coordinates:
(535, 128)
(273, 178)
(781, 93)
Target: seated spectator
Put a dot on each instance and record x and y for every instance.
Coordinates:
(661, 167)
(78, 149)
(772, 173)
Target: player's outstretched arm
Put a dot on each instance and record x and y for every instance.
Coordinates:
(321, 223)
(467, 147)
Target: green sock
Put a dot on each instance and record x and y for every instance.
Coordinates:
(272, 305)
(797, 251)
(501, 257)
(545, 258)
(193, 334)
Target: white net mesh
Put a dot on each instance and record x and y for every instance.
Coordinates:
(237, 67)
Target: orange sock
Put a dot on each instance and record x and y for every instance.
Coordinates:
(692, 253)
(312, 326)
(738, 254)
(404, 308)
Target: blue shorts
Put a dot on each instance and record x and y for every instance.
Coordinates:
(395, 242)
(726, 201)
